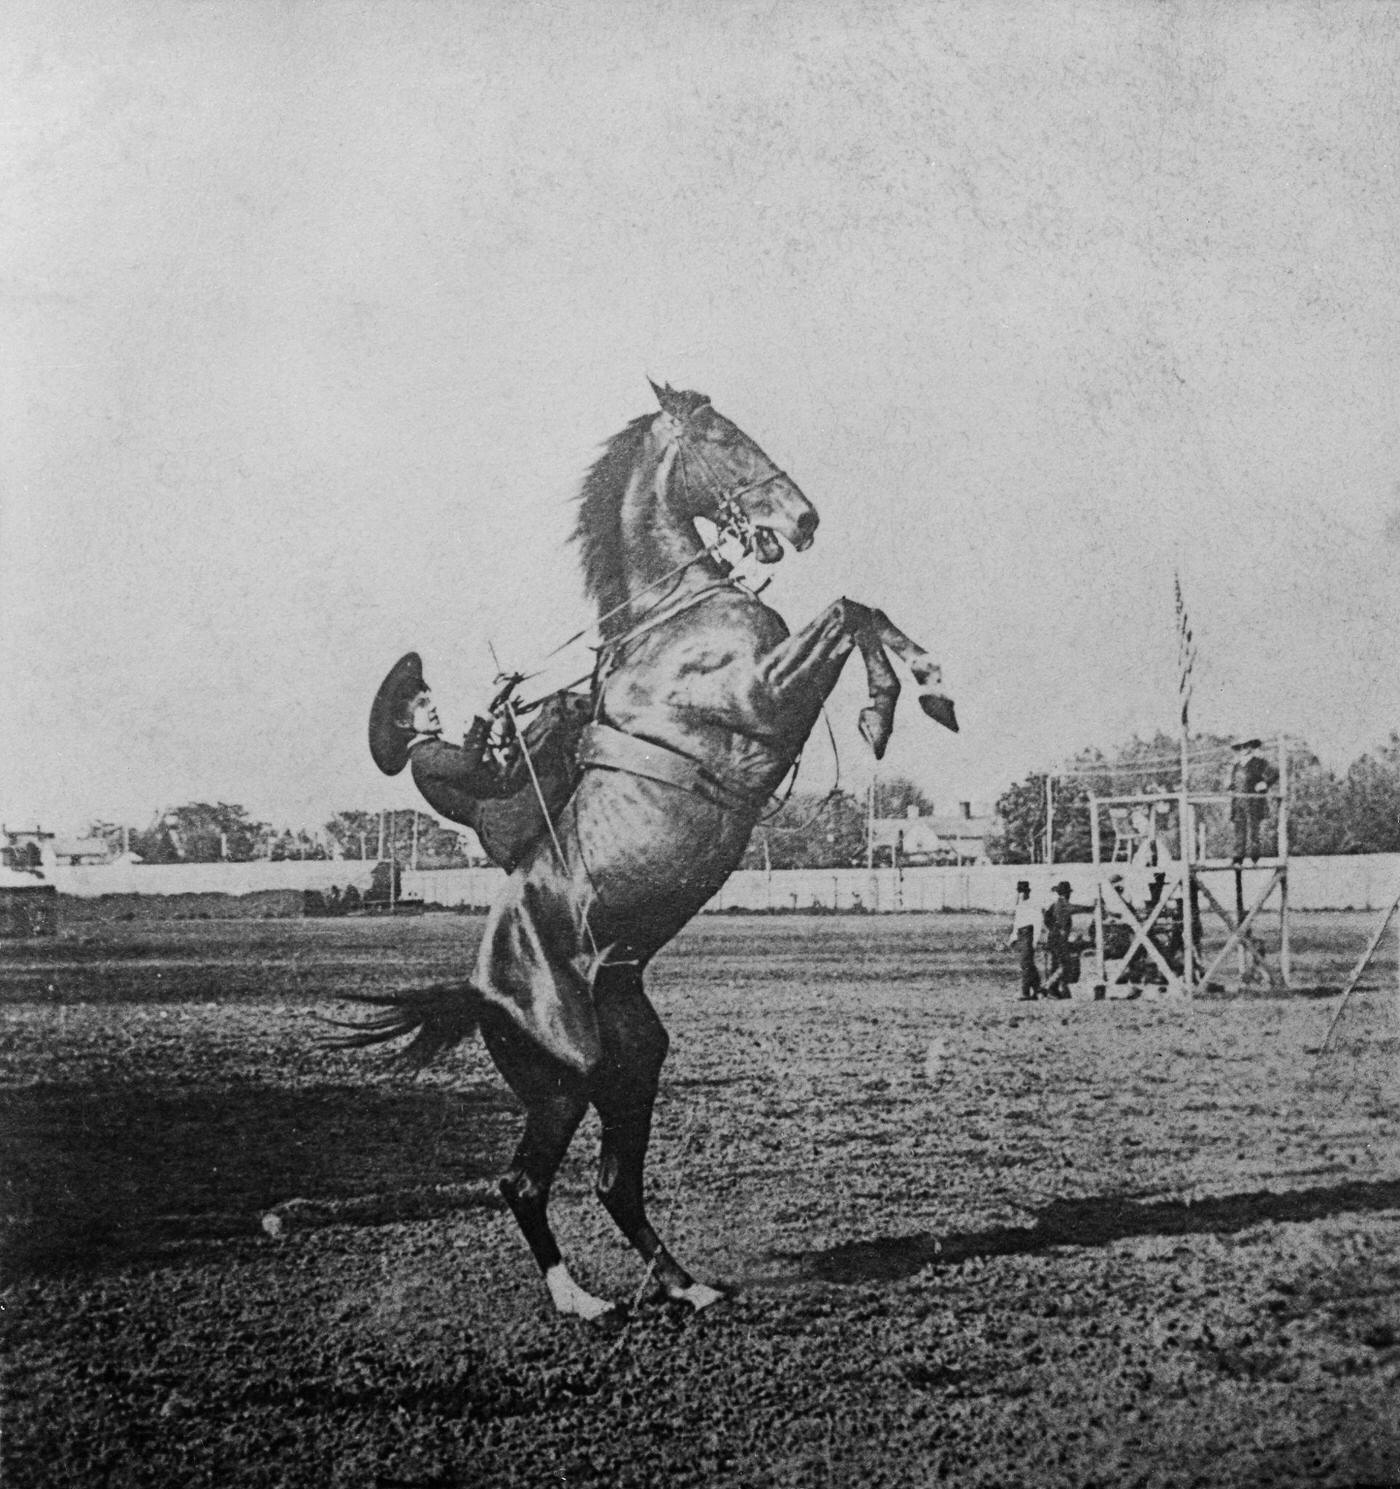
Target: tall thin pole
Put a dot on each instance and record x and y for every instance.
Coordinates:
(413, 860)
(1187, 833)
(381, 834)
(1285, 950)
(1049, 818)
(870, 824)
(1186, 664)
(1098, 890)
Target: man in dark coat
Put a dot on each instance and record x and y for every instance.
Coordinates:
(1060, 942)
(1251, 779)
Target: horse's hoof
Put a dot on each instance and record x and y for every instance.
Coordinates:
(701, 1297)
(939, 709)
(875, 729)
(574, 1301)
(698, 1295)
(596, 1313)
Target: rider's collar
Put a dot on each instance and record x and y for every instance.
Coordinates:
(419, 739)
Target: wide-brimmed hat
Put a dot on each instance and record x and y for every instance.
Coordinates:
(1248, 744)
(388, 739)
(1064, 887)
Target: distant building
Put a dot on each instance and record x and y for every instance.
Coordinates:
(913, 841)
(33, 848)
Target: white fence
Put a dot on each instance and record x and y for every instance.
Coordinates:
(1366, 882)
(91, 880)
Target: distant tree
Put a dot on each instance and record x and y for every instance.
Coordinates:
(1370, 800)
(894, 797)
(295, 843)
(1019, 836)
(1316, 813)
(202, 832)
(811, 831)
(357, 835)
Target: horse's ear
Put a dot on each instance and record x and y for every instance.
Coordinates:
(669, 400)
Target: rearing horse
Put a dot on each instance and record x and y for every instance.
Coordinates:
(702, 702)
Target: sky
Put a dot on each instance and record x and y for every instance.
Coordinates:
(314, 314)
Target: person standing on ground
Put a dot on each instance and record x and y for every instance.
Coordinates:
(1026, 931)
(1059, 941)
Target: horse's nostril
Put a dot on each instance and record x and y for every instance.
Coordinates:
(807, 523)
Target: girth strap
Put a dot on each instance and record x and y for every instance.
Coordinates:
(613, 749)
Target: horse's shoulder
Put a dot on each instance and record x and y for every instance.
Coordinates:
(763, 622)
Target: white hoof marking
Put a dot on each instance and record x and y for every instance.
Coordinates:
(698, 1295)
(571, 1299)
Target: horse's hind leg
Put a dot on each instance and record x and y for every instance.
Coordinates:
(624, 1093)
(555, 1099)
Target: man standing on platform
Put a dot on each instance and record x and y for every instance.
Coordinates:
(1251, 778)
(1025, 933)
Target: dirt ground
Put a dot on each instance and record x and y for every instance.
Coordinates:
(971, 1241)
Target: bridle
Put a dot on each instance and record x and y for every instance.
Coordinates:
(730, 518)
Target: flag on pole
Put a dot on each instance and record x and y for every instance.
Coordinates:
(1185, 654)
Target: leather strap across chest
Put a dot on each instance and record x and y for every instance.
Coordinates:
(607, 748)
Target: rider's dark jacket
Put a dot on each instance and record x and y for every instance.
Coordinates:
(452, 778)
(495, 795)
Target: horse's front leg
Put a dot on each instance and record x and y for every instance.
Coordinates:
(808, 663)
(877, 717)
(927, 673)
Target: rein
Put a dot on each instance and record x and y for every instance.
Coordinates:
(651, 620)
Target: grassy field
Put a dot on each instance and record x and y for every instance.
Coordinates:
(972, 1241)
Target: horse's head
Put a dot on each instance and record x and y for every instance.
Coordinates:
(722, 475)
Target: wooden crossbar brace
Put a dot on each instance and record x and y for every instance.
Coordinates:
(1248, 946)
(1141, 936)
(1360, 967)
(1239, 934)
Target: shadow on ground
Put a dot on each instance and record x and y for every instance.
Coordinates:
(1093, 1221)
(94, 1178)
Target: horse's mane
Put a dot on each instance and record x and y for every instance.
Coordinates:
(598, 530)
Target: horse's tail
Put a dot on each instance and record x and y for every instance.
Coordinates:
(439, 1017)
